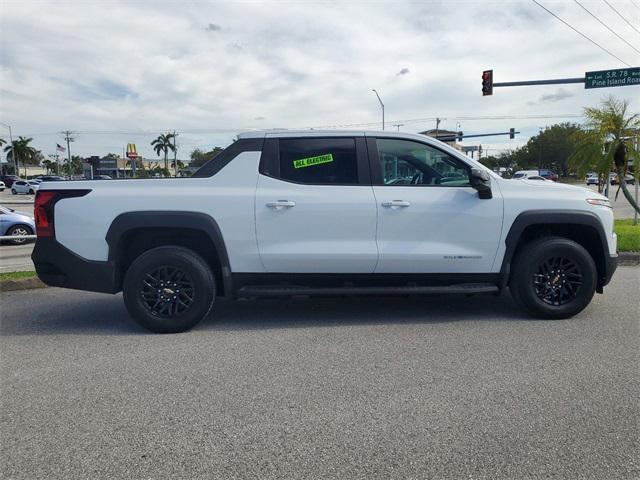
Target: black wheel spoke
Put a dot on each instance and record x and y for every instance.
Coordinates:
(557, 280)
(167, 291)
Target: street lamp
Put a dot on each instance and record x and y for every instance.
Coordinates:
(13, 150)
(381, 104)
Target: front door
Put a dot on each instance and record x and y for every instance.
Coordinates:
(315, 209)
(430, 220)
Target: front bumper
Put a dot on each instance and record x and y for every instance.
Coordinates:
(58, 266)
(610, 265)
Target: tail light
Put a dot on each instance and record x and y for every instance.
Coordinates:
(43, 208)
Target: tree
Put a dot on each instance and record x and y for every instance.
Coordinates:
(550, 149)
(606, 142)
(199, 158)
(22, 151)
(49, 165)
(74, 167)
(163, 144)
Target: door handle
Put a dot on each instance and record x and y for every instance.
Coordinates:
(279, 204)
(396, 204)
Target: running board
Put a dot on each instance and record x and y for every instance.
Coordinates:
(295, 290)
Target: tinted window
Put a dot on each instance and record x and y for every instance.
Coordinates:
(319, 160)
(404, 162)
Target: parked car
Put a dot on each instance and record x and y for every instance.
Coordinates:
(543, 172)
(548, 174)
(9, 179)
(16, 224)
(537, 177)
(629, 179)
(282, 213)
(592, 179)
(25, 186)
(2, 186)
(51, 178)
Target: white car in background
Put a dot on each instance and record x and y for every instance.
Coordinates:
(25, 186)
(2, 186)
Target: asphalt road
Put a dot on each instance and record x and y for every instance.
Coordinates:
(440, 387)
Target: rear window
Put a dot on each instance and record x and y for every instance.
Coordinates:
(324, 161)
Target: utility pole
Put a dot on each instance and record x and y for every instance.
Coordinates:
(68, 138)
(381, 104)
(175, 155)
(437, 125)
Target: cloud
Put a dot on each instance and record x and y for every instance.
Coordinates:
(96, 67)
(560, 94)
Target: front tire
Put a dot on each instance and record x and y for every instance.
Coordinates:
(19, 231)
(13, 191)
(553, 277)
(169, 289)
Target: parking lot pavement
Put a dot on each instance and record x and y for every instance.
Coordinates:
(16, 258)
(439, 387)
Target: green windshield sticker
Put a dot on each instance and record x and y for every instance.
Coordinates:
(310, 161)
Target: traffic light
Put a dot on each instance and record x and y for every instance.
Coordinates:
(459, 136)
(487, 82)
(512, 133)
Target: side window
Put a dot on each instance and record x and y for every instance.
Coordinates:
(319, 160)
(404, 162)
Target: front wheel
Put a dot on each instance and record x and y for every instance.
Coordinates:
(13, 191)
(19, 231)
(31, 192)
(169, 289)
(553, 277)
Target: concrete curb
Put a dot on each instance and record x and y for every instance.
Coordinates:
(628, 258)
(21, 284)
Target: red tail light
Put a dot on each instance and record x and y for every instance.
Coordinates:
(43, 208)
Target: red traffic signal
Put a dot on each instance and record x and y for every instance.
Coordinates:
(487, 82)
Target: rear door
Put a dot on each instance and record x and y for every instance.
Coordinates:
(315, 209)
(430, 220)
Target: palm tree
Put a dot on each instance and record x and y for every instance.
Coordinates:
(22, 150)
(163, 144)
(605, 143)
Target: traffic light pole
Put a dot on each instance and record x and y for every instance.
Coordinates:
(556, 81)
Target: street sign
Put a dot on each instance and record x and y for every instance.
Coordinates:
(612, 78)
(131, 150)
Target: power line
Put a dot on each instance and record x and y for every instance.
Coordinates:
(580, 33)
(605, 25)
(620, 15)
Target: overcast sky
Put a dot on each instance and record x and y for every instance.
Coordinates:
(115, 70)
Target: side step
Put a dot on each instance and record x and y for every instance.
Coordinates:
(295, 290)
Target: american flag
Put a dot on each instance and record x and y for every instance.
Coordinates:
(60, 148)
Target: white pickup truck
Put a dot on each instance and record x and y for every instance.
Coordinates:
(288, 213)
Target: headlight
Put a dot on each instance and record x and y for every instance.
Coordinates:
(599, 201)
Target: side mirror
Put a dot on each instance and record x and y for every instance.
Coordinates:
(481, 181)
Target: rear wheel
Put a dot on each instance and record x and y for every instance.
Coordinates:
(553, 277)
(13, 191)
(31, 192)
(169, 289)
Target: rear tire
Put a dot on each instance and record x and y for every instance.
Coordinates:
(169, 289)
(13, 192)
(553, 277)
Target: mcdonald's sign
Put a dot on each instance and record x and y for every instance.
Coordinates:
(131, 151)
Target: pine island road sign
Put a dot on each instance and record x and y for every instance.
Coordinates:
(612, 78)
